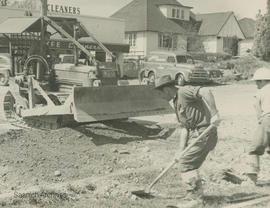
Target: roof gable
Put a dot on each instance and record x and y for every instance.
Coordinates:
(144, 15)
(248, 27)
(212, 23)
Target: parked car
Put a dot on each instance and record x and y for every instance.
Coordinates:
(131, 68)
(180, 66)
(214, 73)
(5, 68)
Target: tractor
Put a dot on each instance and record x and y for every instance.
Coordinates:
(73, 89)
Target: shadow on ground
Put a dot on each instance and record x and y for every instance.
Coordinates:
(215, 200)
(123, 132)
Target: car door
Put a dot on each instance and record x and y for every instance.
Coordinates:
(171, 66)
(162, 66)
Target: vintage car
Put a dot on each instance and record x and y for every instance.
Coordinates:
(180, 66)
(5, 68)
(131, 67)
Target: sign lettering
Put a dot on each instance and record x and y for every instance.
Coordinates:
(63, 9)
(68, 45)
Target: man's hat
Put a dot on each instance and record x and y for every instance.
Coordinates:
(261, 74)
(165, 81)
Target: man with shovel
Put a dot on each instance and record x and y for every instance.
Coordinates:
(261, 140)
(196, 110)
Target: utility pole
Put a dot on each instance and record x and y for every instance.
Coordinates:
(43, 30)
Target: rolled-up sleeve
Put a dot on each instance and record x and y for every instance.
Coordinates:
(190, 92)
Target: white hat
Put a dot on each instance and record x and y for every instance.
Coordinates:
(261, 74)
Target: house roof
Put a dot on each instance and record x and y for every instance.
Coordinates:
(144, 15)
(20, 25)
(192, 26)
(248, 27)
(212, 23)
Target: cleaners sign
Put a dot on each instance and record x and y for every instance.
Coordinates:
(52, 8)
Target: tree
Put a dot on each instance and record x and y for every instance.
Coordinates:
(257, 44)
(266, 34)
(261, 46)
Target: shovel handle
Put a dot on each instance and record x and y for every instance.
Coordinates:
(180, 156)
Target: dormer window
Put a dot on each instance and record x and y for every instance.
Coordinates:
(175, 11)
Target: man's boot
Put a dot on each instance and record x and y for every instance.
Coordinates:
(194, 190)
(253, 170)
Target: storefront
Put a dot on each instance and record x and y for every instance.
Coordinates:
(17, 38)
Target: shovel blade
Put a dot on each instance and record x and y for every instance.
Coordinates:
(142, 194)
(93, 104)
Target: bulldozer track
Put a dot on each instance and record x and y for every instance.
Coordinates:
(8, 97)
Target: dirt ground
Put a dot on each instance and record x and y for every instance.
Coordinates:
(99, 165)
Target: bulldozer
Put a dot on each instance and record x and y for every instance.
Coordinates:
(52, 96)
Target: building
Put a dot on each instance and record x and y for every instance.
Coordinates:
(149, 28)
(217, 31)
(167, 25)
(109, 31)
(248, 27)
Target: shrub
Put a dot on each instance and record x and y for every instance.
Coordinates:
(210, 57)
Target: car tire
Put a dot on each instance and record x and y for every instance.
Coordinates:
(4, 78)
(180, 80)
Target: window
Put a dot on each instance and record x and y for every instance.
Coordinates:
(171, 59)
(182, 14)
(167, 41)
(184, 59)
(131, 39)
(177, 13)
(173, 13)
(181, 59)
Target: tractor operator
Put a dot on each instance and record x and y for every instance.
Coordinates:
(261, 141)
(35, 49)
(195, 109)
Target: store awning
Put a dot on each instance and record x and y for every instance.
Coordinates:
(33, 24)
(20, 25)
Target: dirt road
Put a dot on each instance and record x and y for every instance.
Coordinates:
(98, 165)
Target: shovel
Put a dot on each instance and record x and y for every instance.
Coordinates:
(146, 193)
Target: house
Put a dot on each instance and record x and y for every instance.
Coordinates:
(167, 25)
(218, 30)
(248, 27)
(148, 25)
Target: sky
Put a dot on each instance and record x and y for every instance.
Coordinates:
(242, 8)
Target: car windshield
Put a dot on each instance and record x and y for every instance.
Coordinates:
(184, 59)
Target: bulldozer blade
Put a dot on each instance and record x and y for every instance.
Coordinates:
(116, 102)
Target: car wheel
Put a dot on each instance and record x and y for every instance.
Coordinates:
(151, 78)
(4, 78)
(180, 80)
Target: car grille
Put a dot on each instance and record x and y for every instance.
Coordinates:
(199, 75)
